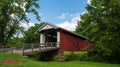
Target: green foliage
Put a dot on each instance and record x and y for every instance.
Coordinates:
(55, 58)
(16, 41)
(101, 24)
(76, 56)
(83, 56)
(12, 14)
(71, 57)
(31, 36)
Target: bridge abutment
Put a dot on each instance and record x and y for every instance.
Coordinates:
(49, 55)
(61, 56)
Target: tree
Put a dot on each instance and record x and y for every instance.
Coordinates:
(15, 41)
(12, 13)
(31, 36)
(101, 24)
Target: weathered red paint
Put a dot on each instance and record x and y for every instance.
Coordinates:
(69, 42)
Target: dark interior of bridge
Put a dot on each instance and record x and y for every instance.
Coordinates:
(50, 35)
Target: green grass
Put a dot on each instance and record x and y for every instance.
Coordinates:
(31, 63)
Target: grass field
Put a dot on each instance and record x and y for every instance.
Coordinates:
(30, 63)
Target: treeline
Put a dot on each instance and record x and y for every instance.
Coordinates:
(101, 24)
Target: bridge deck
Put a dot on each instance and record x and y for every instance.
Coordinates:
(27, 51)
(30, 48)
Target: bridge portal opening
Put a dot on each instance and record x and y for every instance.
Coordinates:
(50, 36)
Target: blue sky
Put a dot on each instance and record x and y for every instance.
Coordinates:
(63, 13)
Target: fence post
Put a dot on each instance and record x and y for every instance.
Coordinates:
(51, 45)
(32, 47)
(46, 46)
(12, 50)
(58, 44)
(23, 49)
(39, 47)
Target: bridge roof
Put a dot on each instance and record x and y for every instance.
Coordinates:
(47, 26)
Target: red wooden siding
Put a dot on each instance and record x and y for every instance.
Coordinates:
(69, 42)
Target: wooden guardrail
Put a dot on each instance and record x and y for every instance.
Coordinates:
(28, 48)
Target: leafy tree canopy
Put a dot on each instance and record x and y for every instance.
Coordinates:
(15, 41)
(101, 24)
(12, 13)
(31, 36)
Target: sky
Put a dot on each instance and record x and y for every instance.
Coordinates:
(63, 13)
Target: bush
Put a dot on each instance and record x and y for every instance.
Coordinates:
(71, 57)
(76, 56)
(55, 58)
(81, 56)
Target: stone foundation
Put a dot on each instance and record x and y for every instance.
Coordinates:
(61, 56)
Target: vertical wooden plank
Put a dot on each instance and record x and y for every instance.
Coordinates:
(58, 39)
(51, 45)
(58, 44)
(45, 46)
(42, 38)
(12, 50)
(39, 47)
(32, 47)
(23, 49)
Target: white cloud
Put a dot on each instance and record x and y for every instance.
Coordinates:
(27, 25)
(70, 25)
(63, 16)
(88, 1)
(40, 14)
(83, 13)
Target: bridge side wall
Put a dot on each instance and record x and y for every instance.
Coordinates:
(70, 42)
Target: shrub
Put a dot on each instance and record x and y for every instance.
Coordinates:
(76, 56)
(71, 57)
(83, 57)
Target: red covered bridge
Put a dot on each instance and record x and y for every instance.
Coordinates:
(68, 41)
